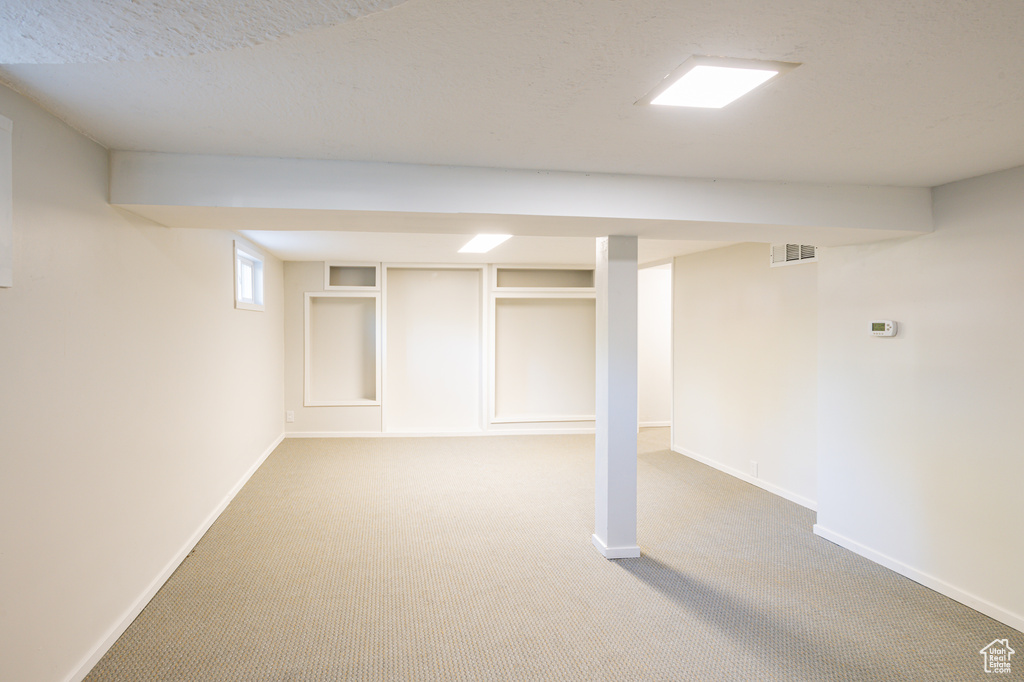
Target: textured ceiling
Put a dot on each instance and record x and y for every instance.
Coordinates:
(63, 31)
(916, 92)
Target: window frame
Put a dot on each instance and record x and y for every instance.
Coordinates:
(255, 259)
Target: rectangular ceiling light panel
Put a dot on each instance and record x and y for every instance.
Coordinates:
(482, 243)
(713, 82)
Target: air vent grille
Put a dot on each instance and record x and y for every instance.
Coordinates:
(791, 254)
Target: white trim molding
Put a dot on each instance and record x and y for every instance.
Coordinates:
(510, 291)
(482, 269)
(353, 265)
(760, 483)
(630, 552)
(147, 595)
(495, 294)
(369, 295)
(253, 260)
(942, 587)
(542, 418)
(440, 434)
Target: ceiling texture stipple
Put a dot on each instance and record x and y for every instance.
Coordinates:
(69, 32)
(912, 93)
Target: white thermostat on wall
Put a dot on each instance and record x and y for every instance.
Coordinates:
(883, 328)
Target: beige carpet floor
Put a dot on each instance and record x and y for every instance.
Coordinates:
(470, 559)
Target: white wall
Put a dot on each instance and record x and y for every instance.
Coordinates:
(6, 204)
(745, 346)
(921, 435)
(544, 365)
(299, 278)
(434, 335)
(544, 358)
(654, 361)
(133, 398)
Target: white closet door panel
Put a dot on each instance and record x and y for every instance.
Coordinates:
(434, 342)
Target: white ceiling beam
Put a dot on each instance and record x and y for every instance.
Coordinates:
(141, 179)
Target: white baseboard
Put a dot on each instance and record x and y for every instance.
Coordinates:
(966, 598)
(651, 425)
(441, 434)
(764, 485)
(540, 432)
(542, 418)
(132, 613)
(630, 552)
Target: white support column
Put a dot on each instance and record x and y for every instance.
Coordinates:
(616, 282)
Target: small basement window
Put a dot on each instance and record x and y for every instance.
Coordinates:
(248, 278)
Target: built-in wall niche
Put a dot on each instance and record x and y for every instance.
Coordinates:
(543, 331)
(351, 276)
(547, 278)
(342, 348)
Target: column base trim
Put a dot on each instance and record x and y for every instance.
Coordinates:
(627, 552)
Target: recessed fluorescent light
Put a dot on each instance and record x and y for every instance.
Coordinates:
(713, 82)
(712, 87)
(482, 243)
